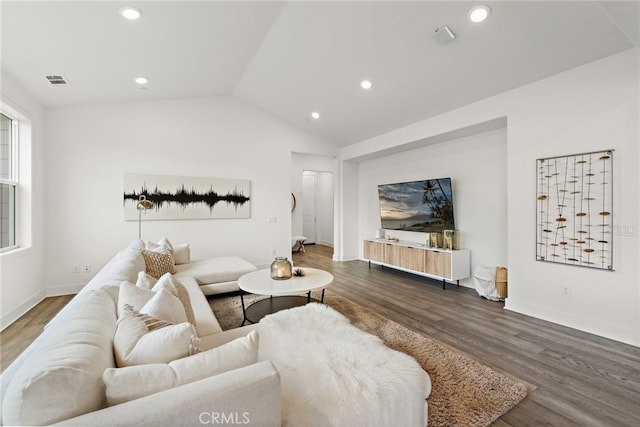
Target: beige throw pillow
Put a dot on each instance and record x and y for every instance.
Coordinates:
(124, 384)
(157, 263)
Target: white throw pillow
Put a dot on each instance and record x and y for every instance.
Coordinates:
(146, 281)
(134, 344)
(173, 285)
(132, 295)
(166, 306)
(165, 242)
(124, 384)
(182, 254)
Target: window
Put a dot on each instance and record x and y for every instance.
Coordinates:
(8, 180)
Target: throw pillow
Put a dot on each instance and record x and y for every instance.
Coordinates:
(132, 295)
(166, 306)
(134, 344)
(146, 281)
(182, 254)
(165, 242)
(169, 282)
(158, 263)
(124, 384)
(150, 322)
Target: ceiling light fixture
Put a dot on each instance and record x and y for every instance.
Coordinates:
(142, 80)
(479, 13)
(315, 115)
(130, 12)
(365, 84)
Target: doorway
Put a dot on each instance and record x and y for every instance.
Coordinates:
(317, 207)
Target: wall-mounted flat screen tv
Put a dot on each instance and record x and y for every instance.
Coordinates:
(423, 206)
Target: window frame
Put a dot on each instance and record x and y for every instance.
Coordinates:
(13, 179)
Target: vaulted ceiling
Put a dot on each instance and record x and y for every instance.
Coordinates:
(292, 58)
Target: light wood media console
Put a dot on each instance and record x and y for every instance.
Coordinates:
(437, 263)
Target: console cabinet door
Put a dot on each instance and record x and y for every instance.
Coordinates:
(411, 258)
(392, 254)
(438, 263)
(374, 251)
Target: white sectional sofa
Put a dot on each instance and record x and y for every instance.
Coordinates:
(255, 375)
(59, 377)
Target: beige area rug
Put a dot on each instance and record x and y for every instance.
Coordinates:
(464, 392)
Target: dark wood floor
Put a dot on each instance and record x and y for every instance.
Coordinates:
(576, 378)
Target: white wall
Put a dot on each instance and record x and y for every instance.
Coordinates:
(21, 276)
(89, 148)
(589, 108)
(478, 170)
(326, 168)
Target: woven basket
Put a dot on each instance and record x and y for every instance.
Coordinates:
(501, 281)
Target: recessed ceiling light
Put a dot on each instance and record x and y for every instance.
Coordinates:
(142, 80)
(131, 13)
(479, 13)
(315, 115)
(365, 84)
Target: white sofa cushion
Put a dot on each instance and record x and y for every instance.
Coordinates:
(134, 344)
(124, 384)
(63, 376)
(206, 322)
(215, 270)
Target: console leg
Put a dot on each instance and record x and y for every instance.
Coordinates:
(443, 284)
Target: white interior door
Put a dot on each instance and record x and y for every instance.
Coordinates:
(309, 206)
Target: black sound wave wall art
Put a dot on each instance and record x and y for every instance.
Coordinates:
(575, 210)
(183, 197)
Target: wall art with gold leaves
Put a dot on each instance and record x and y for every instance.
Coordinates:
(575, 210)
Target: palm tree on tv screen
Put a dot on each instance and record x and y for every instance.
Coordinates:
(440, 205)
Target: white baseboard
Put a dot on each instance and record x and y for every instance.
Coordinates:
(19, 311)
(64, 290)
(621, 333)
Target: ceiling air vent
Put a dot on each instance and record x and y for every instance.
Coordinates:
(56, 80)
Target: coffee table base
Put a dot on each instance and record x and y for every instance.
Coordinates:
(256, 311)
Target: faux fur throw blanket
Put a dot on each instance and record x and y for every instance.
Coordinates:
(334, 374)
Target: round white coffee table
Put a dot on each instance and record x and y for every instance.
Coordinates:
(283, 293)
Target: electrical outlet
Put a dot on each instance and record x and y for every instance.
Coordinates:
(76, 269)
(626, 230)
(566, 292)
